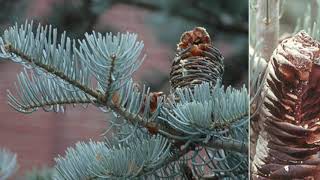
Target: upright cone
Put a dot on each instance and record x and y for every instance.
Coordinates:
(196, 61)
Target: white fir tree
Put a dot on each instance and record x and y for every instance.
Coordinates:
(199, 130)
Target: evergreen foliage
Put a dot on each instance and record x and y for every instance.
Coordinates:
(8, 163)
(203, 134)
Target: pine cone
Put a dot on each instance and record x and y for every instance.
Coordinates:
(196, 61)
(289, 140)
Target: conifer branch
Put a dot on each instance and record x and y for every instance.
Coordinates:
(101, 99)
(228, 144)
(158, 132)
(59, 74)
(8, 163)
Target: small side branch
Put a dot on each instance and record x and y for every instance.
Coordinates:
(60, 103)
(110, 80)
(228, 144)
(9, 48)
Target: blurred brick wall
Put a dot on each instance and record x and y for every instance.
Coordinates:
(39, 137)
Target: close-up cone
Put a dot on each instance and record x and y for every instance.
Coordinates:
(284, 88)
(288, 141)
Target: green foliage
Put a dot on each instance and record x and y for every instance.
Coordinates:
(95, 160)
(219, 108)
(104, 58)
(8, 163)
(205, 130)
(39, 174)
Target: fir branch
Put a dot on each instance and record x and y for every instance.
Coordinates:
(43, 173)
(219, 108)
(34, 91)
(176, 134)
(228, 144)
(93, 58)
(110, 81)
(59, 103)
(100, 98)
(10, 49)
(125, 107)
(111, 60)
(8, 163)
(98, 161)
(125, 135)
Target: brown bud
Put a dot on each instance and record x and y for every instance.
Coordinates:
(197, 36)
(152, 127)
(116, 98)
(153, 101)
(98, 157)
(197, 50)
(200, 35)
(185, 40)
